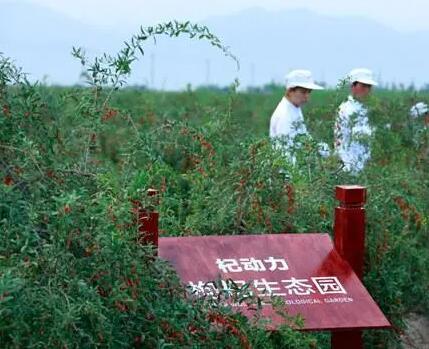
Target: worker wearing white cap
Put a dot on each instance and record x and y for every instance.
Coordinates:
(287, 120)
(352, 130)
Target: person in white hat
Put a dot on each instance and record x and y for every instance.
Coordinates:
(352, 130)
(287, 121)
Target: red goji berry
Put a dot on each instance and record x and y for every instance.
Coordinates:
(8, 180)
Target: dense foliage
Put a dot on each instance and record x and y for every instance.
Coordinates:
(72, 160)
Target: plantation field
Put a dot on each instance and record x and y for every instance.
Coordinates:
(72, 160)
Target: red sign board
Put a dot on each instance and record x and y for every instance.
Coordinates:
(303, 269)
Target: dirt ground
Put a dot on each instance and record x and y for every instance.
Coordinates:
(417, 334)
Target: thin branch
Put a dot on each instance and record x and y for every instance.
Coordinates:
(25, 152)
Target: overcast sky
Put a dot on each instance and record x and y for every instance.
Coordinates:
(390, 37)
(410, 15)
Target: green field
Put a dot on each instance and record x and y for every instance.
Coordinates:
(73, 159)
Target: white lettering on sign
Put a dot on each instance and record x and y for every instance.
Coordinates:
(229, 288)
(229, 265)
(252, 264)
(267, 288)
(263, 287)
(277, 263)
(232, 265)
(202, 289)
(338, 300)
(303, 301)
(298, 287)
(212, 289)
(328, 285)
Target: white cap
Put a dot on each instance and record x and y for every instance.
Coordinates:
(419, 109)
(301, 78)
(363, 75)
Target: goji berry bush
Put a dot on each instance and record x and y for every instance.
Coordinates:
(73, 160)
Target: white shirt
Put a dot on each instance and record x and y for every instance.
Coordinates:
(286, 123)
(352, 133)
(419, 109)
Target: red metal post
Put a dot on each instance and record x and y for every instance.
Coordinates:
(349, 241)
(148, 221)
